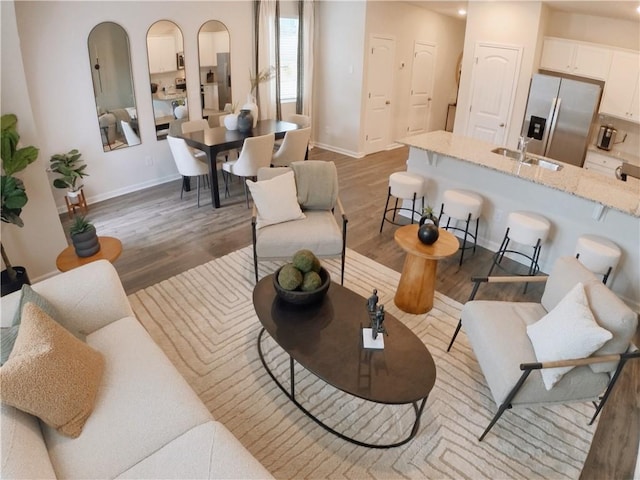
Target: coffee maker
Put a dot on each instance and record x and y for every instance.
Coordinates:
(606, 137)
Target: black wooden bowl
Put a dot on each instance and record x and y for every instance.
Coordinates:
(298, 297)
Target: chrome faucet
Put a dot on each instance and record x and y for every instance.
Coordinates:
(522, 147)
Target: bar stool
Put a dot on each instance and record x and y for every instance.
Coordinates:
(528, 229)
(598, 254)
(404, 186)
(465, 206)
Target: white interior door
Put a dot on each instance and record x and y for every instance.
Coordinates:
(380, 88)
(493, 89)
(422, 73)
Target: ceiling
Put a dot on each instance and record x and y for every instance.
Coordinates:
(621, 9)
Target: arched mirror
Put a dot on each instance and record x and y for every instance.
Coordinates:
(215, 70)
(165, 50)
(113, 86)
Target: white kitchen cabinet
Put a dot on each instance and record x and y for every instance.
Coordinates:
(576, 58)
(621, 89)
(209, 45)
(601, 164)
(162, 54)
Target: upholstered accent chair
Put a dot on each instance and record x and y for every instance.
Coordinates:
(570, 347)
(316, 194)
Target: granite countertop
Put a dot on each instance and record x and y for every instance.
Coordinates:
(610, 192)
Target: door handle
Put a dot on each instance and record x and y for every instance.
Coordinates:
(502, 124)
(387, 102)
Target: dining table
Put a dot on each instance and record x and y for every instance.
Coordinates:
(214, 140)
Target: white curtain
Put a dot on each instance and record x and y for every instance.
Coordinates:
(266, 57)
(307, 54)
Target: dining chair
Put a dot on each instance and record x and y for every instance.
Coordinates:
(299, 119)
(256, 153)
(188, 164)
(233, 153)
(294, 147)
(189, 126)
(129, 134)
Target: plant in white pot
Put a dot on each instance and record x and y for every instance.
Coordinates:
(71, 169)
(84, 237)
(14, 195)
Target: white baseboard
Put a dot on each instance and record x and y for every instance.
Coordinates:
(123, 191)
(342, 151)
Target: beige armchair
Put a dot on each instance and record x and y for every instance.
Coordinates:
(317, 194)
(508, 337)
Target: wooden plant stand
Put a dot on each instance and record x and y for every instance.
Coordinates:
(81, 205)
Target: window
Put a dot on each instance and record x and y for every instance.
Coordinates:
(288, 58)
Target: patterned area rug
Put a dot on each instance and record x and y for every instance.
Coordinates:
(204, 321)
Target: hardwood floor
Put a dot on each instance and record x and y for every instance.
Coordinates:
(163, 236)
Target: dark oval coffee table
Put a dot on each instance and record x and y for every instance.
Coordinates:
(326, 339)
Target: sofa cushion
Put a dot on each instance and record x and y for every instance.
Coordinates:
(208, 451)
(567, 332)
(485, 322)
(275, 200)
(565, 273)
(24, 453)
(51, 374)
(318, 232)
(144, 403)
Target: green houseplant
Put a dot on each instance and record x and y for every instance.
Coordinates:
(14, 195)
(71, 168)
(84, 237)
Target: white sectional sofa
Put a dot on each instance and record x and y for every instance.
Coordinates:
(147, 421)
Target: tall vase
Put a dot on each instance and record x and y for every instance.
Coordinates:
(253, 106)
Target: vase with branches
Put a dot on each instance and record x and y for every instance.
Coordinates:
(14, 195)
(262, 76)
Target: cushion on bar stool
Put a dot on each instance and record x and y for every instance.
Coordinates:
(598, 254)
(459, 204)
(404, 185)
(527, 227)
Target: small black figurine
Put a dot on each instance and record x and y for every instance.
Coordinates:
(377, 322)
(372, 302)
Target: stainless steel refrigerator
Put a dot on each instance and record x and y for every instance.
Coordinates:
(560, 112)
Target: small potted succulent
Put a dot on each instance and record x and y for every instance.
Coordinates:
(71, 168)
(84, 237)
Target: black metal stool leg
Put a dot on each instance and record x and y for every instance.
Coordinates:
(464, 241)
(413, 207)
(386, 206)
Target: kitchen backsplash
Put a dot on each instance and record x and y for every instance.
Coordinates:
(630, 145)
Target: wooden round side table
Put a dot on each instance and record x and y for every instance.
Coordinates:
(418, 280)
(110, 249)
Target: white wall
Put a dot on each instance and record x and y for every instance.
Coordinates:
(408, 23)
(588, 28)
(339, 54)
(508, 23)
(36, 245)
(54, 47)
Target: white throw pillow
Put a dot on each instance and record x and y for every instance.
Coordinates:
(276, 200)
(567, 332)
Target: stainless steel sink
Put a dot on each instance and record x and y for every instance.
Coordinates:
(507, 153)
(528, 160)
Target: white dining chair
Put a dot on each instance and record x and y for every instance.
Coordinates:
(129, 134)
(188, 164)
(190, 126)
(299, 119)
(294, 147)
(256, 153)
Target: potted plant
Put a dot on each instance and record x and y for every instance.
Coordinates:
(84, 237)
(14, 195)
(71, 168)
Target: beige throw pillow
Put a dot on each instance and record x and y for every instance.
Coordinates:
(51, 374)
(276, 200)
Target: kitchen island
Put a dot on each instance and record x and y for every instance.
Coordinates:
(576, 201)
